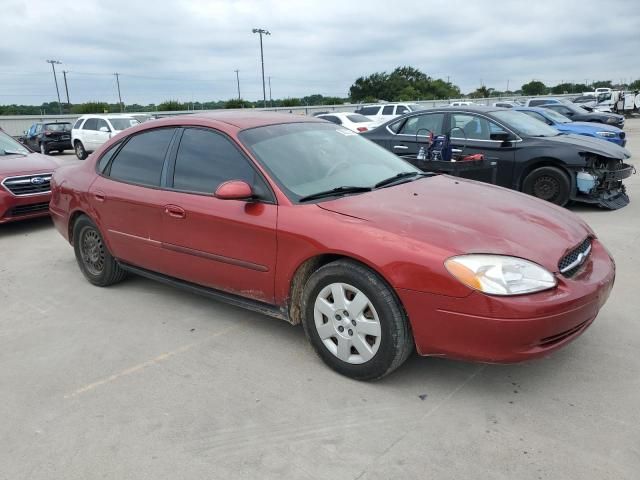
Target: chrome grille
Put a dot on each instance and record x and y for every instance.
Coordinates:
(572, 261)
(28, 184)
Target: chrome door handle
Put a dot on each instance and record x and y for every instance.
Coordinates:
(400, 147)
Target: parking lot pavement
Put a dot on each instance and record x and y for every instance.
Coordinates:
(142, 381)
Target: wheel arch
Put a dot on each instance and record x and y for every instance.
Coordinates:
(545, 162)
(312, 264)
(73, 218)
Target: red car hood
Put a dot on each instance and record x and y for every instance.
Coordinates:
(463, 216)
(11, 165)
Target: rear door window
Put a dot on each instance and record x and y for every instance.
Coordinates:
(141, 160)
(101, 123)
(90, 124)
(388, 110)
(369, 110)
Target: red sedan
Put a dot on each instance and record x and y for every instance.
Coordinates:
(306, 221)
(24, 181)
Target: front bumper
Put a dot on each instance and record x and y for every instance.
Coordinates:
(487, 328)
(15, 208)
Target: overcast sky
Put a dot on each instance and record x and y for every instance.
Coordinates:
(188, 50)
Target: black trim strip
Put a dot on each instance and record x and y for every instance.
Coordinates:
(230, 298)
(218, 258)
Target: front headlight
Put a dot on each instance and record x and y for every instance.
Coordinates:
(606, 134)
(612, 120)
(499, 274)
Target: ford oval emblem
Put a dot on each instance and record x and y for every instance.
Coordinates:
(37, 180)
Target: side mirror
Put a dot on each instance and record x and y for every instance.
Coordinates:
(234, 190)
(104, 129)
(501, 136)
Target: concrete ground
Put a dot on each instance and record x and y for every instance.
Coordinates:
(142, 381)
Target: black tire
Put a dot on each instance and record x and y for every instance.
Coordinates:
(548, 183)
(93, 257)
(43, 148)
(395, 340)
(81, 153)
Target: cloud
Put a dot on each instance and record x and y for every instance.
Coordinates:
(189, 50)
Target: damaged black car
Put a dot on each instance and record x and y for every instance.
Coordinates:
(529, 155)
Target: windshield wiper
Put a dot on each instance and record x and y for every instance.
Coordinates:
(400, 176)
(13, 152)
(344, 189)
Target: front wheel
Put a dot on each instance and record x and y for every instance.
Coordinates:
(93, 257)
(354, 321)
(81, 153)
(548, 183)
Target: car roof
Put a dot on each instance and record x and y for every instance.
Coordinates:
(230, 120)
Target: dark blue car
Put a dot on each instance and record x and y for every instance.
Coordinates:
(566, 125)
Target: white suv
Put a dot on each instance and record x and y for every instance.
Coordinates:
(386, 111)
(91, 131)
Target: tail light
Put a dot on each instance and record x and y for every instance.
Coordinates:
(362, 129)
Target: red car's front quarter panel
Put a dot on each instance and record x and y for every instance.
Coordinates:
(510, 329)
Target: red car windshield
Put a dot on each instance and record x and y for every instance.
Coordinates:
(9, 146)
(307, 158)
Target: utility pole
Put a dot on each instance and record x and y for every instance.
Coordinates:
(119, 96)
(507, 85)
(270, 99)
(55, 79)
(238, 80)
(262, 31)
(66, 89)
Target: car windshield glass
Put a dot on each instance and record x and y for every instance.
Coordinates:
(58, 127)
(555, 116)
(122, 123)
(307, 158)
(524, 124)
(8, 144)
(355, 118)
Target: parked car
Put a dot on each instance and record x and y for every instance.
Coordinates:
(536, 102)
(45, 137)
(566, 125)
(579, 114)
(507, 104)
(91, 131)
(462, 104)
(386, 111)
(532, 157)
(353, 121)
(294, 218)
(24, 181)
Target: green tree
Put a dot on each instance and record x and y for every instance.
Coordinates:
(481, 92)
(291, 102)
(172, 106)
(601, 84)
(91, 107)
(635, 85)
(534, 87)
(237, 103)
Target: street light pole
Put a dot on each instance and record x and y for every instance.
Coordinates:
(238, 80)
(66, 89)
(55, 79)
(262, 31)
(119, 96)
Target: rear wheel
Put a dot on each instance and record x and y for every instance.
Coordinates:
(92, 255)
(81, 153)
(548, 183)
(354, 321)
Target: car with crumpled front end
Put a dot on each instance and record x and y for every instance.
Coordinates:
(25, 179)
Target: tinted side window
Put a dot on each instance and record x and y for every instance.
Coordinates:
(90, 124)
(206, 159)
(388, 110)
(104, 160)
(401, 109)
(423, 124)
(141, 159)
(369, 110)
(38, 128)
(78, 123)
(101, 123)
(470, 127)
